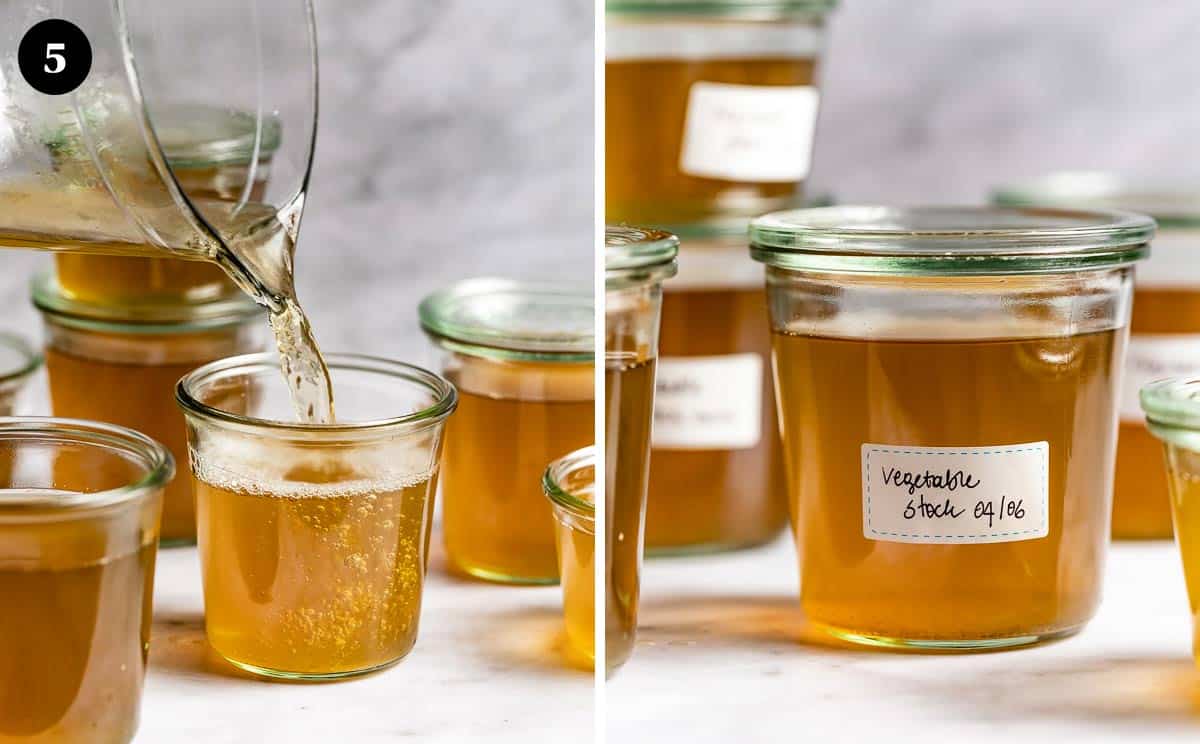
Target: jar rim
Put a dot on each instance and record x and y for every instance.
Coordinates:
(156, 317)
(949, 240)
(444, 403)
(27, 360)
(557, 474)
(1172, 408)
(513, 319)
(754, 9)
(156, 459)
(199, 136)
(638, 254)
(1173, 205)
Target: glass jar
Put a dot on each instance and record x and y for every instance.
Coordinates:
(18, 363)
(314, 537)
(570, 484)
(716, 478)
(636, 262)
(79, 508)
(948, 383)
(521, 356)
(1172, 409)
(135, 357)
(210, 151)
(710, 106)
(1164, 333)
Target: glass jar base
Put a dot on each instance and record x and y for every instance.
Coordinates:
(684, 550)
(283, 676)
(177, 542)
(501, 577)
(946, 645)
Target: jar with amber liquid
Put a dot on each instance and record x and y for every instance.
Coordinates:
(79, 514)
(948, 386)
(716, 474)
(215, 154)
(314, 537)
(119, 364)
(1172, 408)
(1164, 334)
(521, 355)
(636, 262)
(570, 485)
(710, 106)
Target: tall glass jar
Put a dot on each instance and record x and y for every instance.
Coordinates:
(1164, 334)
(948, 386)
(120, 364)
(636, 262)
(710, 106)
(716, 478)
(521, 355)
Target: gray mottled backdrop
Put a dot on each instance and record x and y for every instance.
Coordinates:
(455, 135)
(455, 139)
(938, 100)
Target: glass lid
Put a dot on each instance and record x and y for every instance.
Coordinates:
(1172, 409)
(1172, 205)
(627, 248)
(167, 315)
(959, 240)
(744, 8)
(195, 136)
(543, 319)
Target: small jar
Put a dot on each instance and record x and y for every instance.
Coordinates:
(570, 484)
(710, 106)
(716, 478)
(216, 155)
(521, 356)
(78, 537)
(18, 363)
(1172, 409)
(314, 537)
(120, 365)
(1164, 333)
(636, 262)
(948, 383)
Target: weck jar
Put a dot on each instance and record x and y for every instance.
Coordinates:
(521, 354)
(120, 364)
(1164, 333)
(948, 383)
(710, 106)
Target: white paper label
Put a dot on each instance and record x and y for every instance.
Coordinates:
(754, 133)
(1151, 357)
(710, 402)
(956, 494)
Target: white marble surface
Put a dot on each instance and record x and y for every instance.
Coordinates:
(488, 664)
(722, 656)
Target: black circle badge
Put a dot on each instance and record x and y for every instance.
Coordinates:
(55, 57)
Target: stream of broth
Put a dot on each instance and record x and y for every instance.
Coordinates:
(258, 259)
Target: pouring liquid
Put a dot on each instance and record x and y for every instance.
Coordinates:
(258, 259)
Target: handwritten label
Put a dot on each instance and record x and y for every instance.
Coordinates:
(712, 402)
(752, 133)
(956, 494)
(1151, 357)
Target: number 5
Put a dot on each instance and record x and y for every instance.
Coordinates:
(53, 56)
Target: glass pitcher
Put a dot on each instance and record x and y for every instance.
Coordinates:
(87, 172)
